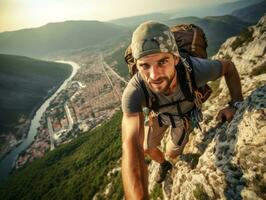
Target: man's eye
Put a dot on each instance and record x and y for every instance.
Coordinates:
(163, 62)
(144, 66)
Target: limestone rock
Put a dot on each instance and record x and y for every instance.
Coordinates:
(228, 161)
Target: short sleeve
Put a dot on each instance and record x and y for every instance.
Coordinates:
(133, 97)
(205, 70)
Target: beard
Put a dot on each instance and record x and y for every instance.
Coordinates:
(161, 85)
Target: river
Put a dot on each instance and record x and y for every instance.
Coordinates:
(8, 161)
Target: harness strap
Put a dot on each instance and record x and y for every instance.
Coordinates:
(182, 138)
(160, 121)
(146, 93)
(179, 110)
(171, 119)
(186, 122)
(188, 77)
(172, 103)
(193, 44)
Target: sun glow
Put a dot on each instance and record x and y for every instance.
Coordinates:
(17, 14)
(39, 12)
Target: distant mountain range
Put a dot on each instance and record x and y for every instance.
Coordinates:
(56, 37)
(251, 13)
(227, 8)
(135, 20)
(197, 11)
(74, 35)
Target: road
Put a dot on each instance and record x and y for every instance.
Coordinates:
(51, 132)
(113, 71)
(108, 78)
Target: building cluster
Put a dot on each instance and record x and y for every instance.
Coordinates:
(91, 98)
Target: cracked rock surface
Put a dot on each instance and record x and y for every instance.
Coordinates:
(228, 161)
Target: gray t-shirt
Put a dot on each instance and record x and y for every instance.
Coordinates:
(133, 98)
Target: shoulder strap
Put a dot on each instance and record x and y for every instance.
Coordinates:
(192, 77)
(150, 98)
(185, 78)
(145, 91)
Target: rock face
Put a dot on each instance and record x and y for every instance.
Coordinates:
(228, 161)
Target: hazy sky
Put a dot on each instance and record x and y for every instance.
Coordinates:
(17, 14)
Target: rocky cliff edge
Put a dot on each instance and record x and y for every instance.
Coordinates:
(228, 161)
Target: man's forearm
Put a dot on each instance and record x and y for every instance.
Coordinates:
(134, 172)
(233, 83)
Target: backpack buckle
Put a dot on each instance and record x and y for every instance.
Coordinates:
(148, 116)
(185, 62)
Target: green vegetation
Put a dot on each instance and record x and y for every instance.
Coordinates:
(192, 159)
(115, 189)
(199, 193)
(24, 84)
(259, 70)
(117, 61)
(157, 192)
(77, 170)
(243, 37)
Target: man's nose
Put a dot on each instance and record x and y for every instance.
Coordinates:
(154, 72)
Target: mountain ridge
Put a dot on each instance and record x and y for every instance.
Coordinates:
(251, 13)
(54, 37)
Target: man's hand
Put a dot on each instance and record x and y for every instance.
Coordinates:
(233, 83)
(226, 114)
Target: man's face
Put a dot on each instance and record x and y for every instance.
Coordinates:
(158, 71)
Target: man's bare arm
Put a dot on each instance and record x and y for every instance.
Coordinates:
(233, 83)
(134, 170)
(232, 80)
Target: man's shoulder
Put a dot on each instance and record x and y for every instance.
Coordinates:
(133, 96)
(135, 82)
(203, 62)
(205, 70)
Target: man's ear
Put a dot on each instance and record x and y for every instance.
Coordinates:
(176, 59)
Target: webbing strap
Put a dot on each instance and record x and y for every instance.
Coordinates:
(193, 44)
(171, 119)
(179, 110)
(182, 138)
(146, 93)
(172, 103)
(183, 76)
(160, 121)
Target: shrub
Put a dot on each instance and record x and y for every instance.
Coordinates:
(259, 70)
(157, 192)
(199, 193)
(244, 37)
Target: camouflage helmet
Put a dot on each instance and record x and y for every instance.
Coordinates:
(152, 37)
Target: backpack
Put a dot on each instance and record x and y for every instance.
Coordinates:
(191, 41)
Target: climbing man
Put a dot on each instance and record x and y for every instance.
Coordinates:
(161, 97)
